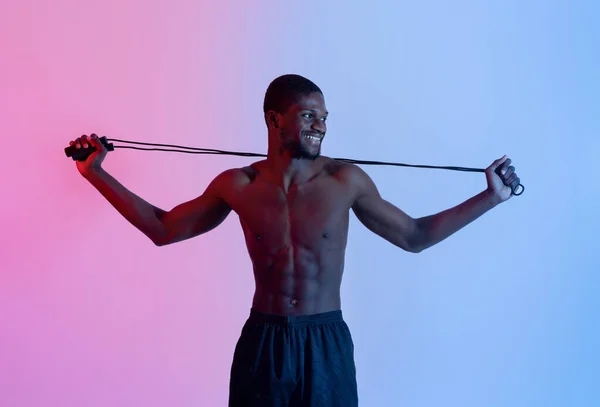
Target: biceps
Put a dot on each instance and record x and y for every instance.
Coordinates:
(386, 220)
(194, 217)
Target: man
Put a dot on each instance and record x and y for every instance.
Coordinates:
(295, 348)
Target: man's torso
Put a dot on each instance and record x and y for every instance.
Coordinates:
(296, 239)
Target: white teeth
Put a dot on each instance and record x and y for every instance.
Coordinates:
(312, 137)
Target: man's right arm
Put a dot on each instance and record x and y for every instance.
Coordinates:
(184, 221)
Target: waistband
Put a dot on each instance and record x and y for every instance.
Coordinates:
(312, 319)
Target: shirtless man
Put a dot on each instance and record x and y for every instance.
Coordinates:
(295, 348)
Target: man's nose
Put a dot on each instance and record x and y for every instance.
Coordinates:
(319, 126)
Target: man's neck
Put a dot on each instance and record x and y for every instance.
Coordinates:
(286, 170)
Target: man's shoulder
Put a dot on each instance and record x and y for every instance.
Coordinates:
(343, 171)
(236, 177)
(352, 179)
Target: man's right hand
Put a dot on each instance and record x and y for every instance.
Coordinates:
(94, 161)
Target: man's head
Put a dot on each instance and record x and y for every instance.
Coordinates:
(295, 114)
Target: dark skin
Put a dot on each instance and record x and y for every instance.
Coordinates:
(294, 209)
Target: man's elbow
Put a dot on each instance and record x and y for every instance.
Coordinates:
(408, 244)
(413, 247)
(161, 238)
(165, 239)
(159, 243)
(418, 239)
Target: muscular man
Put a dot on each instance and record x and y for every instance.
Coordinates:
(295, 348)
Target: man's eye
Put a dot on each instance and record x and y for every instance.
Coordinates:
(307, 115)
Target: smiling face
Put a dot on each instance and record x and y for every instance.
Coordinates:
(302, 127)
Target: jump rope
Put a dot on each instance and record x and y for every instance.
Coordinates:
(81, 154)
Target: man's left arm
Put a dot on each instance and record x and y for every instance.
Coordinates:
(416, 235)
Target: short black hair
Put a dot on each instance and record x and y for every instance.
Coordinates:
(286, 90)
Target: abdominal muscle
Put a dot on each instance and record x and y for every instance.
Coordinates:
(298, 282)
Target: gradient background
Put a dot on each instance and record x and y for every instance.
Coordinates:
(504, 313)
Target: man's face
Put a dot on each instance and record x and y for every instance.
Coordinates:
(303, 126)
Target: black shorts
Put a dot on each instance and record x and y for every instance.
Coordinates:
(294, 361)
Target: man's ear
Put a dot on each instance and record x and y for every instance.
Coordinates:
(272, 118)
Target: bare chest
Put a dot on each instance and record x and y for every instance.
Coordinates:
(307, 216)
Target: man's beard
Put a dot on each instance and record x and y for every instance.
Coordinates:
(298, 149)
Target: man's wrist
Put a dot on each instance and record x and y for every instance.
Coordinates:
(490, 196)
(92, 172)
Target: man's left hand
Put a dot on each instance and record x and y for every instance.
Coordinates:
(500, 186)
